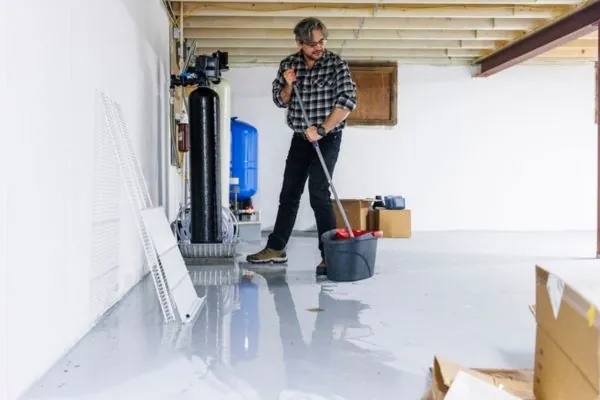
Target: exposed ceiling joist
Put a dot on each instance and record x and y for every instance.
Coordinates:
(391, 53)
(345, 34)
(539, 43)
(571, 52)
(238, 61)
(522, 24)
(460, 2)
(274, 60)
(422, 30)
(582, 45)
(218, 9)
(348, 53)
(353, 44)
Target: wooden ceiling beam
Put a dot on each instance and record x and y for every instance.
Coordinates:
(581, 43)
(239, 61)
(283, 52)
(444, 2)
(571, 52)
(350, 44)
(217, 9)
(520, 24)
(280, 52)
(345, 34)
(249, 61)
(559, 61)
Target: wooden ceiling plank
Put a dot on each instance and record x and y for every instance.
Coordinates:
(248, 61)
(428, 31)
(351, 44)
(283, 52)
(520, 24)
(241, 61)
(344, 34)
(368, 10)
(570, 52)
(559, 61)
(453, 23)
(581, 43)
(444, 2)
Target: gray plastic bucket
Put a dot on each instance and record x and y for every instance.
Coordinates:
(351, 259)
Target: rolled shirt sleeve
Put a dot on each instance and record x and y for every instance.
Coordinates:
(345, 88)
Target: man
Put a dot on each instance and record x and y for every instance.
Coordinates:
(328, 95)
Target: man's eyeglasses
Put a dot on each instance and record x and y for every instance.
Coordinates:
(321, 42)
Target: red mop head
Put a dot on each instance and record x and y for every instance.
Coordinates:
(342, 234)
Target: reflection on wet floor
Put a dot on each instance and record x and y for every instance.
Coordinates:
(277, 333)
(247, 342)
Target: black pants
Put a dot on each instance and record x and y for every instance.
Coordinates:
(303, 163)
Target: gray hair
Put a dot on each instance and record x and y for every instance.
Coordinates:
(305, 28)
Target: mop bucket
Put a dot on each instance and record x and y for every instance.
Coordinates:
(348, 258)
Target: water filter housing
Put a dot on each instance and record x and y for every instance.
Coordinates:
(205, 169)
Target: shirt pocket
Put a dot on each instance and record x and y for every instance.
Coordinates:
(326, 82)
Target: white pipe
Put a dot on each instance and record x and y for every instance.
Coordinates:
(223, 89)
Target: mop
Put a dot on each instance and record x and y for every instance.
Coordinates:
(349, 254)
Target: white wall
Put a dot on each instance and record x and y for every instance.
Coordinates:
(515, 151)
(72, 247)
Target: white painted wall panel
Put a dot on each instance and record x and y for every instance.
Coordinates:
(64, 265)
(516, 151)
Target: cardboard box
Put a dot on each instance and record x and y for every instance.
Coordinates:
(452, 381)
(567, 354)
(567, 358)
(357, 211)
(393, 223)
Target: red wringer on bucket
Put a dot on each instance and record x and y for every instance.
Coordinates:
(349, 254)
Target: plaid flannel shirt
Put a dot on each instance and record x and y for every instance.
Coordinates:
(326, 85)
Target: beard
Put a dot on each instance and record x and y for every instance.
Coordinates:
(314, 55)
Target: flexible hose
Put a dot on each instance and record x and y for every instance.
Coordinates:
(230, 225)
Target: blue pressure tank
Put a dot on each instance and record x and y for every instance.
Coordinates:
(244, 158)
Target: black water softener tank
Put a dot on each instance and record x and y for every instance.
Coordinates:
(206, 226)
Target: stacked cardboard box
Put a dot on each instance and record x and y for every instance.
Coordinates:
(567, 353)
(393, 223)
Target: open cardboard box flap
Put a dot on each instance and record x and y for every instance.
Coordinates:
(518, 382)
